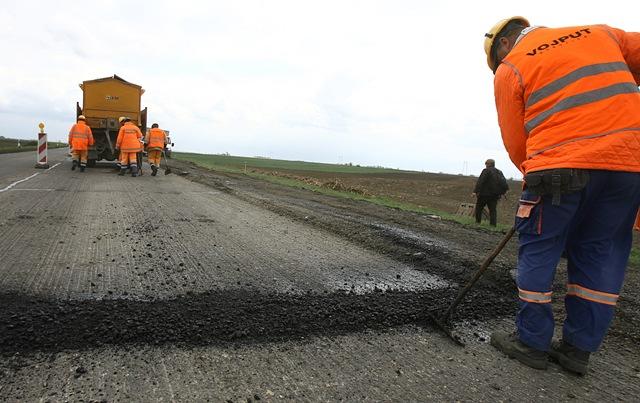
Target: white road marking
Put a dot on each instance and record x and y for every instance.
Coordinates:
(17, 182)
(39, 190)
(54, 166)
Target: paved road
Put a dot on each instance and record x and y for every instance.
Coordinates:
(18, 166)
(157, 288)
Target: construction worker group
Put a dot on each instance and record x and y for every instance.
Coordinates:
(568, 108)
(129, 146)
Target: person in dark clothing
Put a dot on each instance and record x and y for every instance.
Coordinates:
(491, 185)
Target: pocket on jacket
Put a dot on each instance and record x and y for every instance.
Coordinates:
(529, 214)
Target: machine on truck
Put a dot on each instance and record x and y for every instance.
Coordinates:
(103, 101)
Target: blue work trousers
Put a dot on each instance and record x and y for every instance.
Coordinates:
(593, 227)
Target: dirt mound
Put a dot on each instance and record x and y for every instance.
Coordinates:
(333, 184)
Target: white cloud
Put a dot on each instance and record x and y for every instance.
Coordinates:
(398, 83)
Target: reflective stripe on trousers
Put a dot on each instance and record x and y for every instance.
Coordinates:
(592, 295)
(154, 157)
(535, 297)
(127, 158)
(80, 155)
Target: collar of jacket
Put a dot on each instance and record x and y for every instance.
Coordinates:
(525, 32)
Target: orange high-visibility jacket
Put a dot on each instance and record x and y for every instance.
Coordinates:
(156, 139)
(569, 98)
(80, 136)
(129, 138)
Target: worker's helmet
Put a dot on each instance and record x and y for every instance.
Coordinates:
(127, 119)
(121, 119)
(81, 117)
(494, 32)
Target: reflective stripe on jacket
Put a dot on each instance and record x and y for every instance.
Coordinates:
(80, 137)
(569, 98)
(129, 138)
(156, 139)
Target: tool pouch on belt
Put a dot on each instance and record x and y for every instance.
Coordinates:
(556, 182)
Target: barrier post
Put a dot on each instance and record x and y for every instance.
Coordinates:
(42, 162)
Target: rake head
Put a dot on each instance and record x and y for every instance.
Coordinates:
(442, 325)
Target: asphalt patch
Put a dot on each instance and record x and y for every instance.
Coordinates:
(32, 324)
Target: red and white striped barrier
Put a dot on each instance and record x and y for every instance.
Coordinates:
(42, 149)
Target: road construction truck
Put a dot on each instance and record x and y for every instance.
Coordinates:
(104, 100)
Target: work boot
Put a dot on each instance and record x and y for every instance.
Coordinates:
(74, 164)
(122, 171)
(510, 344)
(569, 357)
(134, 170)
(154, 169)
(82, 168)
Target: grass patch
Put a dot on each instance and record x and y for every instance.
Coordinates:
(217, 163)
(11, 145)
(268, 163)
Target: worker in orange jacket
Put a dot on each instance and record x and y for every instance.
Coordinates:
(129, 144)
(569, 111)
(117, 152)
(155, 141)
(80, 138)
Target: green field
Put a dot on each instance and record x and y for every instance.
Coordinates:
(11, 145)
(263, 168)
(238, 163)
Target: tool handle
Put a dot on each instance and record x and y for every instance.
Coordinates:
(479, 273)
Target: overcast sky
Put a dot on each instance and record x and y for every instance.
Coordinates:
(395, 83)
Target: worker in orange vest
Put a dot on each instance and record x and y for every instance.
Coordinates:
(155, 141)
(80, 138)
(569, 111)
(129, 144)
(117, 152)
